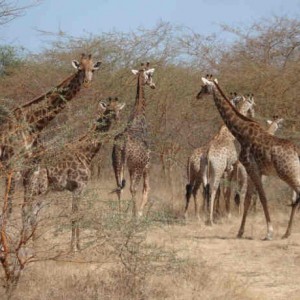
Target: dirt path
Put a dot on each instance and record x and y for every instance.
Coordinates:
(270, 270)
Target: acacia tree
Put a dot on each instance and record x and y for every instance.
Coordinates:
(10, 10)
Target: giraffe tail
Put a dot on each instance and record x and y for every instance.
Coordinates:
(189, 190)
(189, 186)
(295, 201)
(120, 187)
(237, 199)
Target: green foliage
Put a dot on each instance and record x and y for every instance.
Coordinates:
(10, 58)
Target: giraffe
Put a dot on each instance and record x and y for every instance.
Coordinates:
(222, 153)
(196, 164)
(196, 176)
(261, 154)
(131, 146)
(239, 173)
(72, 171)
(21, 132)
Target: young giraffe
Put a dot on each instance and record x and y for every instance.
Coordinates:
(239, 173)
(72, 171)
(261, 154)
(196, 176)
(21, 132)
(222, 153)
(131, 146)
(221, 149)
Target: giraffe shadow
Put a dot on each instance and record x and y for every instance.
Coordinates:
(219, 237)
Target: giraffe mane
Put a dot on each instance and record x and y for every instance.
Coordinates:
(42, 97)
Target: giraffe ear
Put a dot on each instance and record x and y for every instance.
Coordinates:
(75, 64)
(150, 71)
(97, 65)
(135, 72)
(102, 105)
(205, 81)
(280, 121)
(121, 106)
(269, 122)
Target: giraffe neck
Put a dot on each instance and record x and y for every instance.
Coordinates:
(49, 105)
(237, 123)
(92, 142)
(137, 123)
(244, 108)
(273, 128)
(140, 102)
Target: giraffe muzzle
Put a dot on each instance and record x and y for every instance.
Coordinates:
(86, 83)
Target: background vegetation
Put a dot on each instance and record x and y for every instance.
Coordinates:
(263, 59)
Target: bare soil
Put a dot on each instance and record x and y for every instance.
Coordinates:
(211, 263)
(267, 269)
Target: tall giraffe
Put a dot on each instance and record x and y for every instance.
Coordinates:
(261, 154)
(21, 132)
(222, 154)
(72, 170)
(197, 162)
(131, 146)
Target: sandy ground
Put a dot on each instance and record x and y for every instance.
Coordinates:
(268, 269)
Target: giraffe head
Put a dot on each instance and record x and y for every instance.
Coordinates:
(110, 110)
(207, 87)
(275, 124)
(146, 74)
(245, 105)
(235, 98)
(86, 67)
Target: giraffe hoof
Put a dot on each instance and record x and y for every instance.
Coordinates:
(209, 223)
(285, 236)
(268, 238)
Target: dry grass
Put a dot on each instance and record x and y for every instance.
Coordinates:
(161, 257)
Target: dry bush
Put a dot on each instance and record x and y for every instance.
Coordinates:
(264, 59)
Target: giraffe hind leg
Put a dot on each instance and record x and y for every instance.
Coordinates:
(118, 159)
(294, 205)
(135, 177)
(195, 192)
(188, 194)
(75, 242)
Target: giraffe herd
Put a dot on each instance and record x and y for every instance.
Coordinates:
(242, 151)
(261, 154)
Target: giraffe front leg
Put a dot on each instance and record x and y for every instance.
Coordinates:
(188, 194)
(118, 162)
(256, 180)
(145, 191)
(242, 182)
(246, 208)
(75, 243)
